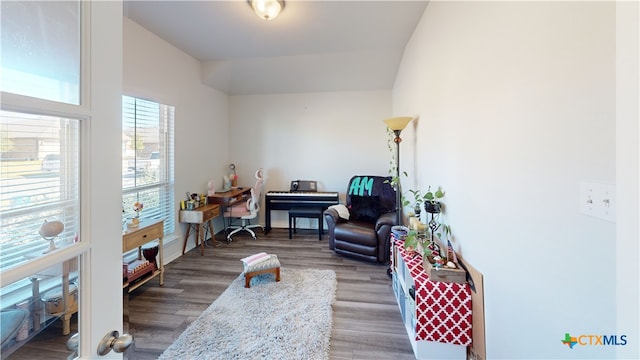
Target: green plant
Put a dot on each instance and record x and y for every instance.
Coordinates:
(418, 198)
(417, 242)
(433, 196)
(445, 232)
(393, 170)
(445, 238)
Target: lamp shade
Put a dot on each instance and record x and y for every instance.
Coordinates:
(397, 123)
(267, 9)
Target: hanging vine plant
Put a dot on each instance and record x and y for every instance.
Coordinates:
(395, 180)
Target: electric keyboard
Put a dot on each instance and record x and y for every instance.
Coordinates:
(285, 200)
(298, 194)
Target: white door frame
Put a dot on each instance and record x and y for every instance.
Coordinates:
(101, 272)
(100, 246)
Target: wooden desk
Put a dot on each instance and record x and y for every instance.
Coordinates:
(200, 220)
(132, 238)
(227, 198)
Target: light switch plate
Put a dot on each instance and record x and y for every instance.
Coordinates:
(598, 200)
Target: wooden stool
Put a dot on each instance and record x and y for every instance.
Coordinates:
(271, 265)
(313, 213)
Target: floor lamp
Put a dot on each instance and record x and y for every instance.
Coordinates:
(397, 124)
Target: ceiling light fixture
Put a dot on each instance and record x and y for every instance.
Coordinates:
(267, 9)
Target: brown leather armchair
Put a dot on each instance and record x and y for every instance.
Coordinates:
(371, 203)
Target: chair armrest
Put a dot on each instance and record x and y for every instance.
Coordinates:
(331, 217)
(383, 231)
(386, 219)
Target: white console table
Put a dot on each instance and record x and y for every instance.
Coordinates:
(437, 315)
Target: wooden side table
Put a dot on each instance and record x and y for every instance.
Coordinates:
(200, 220)
(132, 238)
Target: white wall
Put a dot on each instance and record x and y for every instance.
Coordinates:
(627, 174)
(156, 70)
(516, 106)
(327, 137)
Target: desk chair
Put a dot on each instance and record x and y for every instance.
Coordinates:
(246, 211)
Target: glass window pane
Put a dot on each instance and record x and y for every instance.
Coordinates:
(35, 310)
(147, 160)
(40, 53)
(40, 181)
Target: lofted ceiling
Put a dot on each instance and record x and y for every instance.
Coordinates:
(313, 46)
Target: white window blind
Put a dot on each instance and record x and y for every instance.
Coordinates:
(147, 160)
(39, 174)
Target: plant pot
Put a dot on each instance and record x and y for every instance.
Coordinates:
(400, 231)
(432, 207)
(417, 210)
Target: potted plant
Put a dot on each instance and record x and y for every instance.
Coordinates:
(416, 242)
(418, 199)
(432, 203)
(445, 238)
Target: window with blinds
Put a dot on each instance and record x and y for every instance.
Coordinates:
(40, 178)
(147, 160)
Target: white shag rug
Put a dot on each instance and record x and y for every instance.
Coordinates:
(290, 319)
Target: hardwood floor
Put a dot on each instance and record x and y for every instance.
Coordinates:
(366, 319)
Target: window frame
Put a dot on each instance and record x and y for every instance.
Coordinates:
(19, 103)
(14, 279)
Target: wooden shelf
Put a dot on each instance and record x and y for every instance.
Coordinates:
(140, 281)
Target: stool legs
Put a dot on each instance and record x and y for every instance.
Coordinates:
(294, 215)
(248, 276)
(290, 220)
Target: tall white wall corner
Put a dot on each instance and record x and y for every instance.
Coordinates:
(598, 200)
